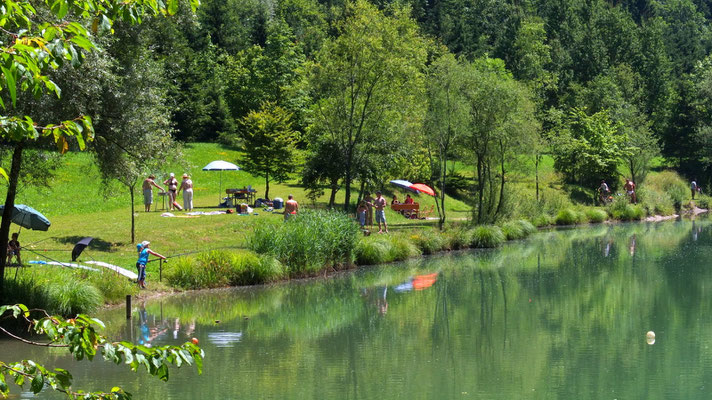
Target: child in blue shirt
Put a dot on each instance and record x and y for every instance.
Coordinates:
(143, 253)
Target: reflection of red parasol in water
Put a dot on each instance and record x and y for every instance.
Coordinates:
(421, 282)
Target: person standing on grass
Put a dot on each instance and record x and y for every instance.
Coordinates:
(369, 204)
(629, 188)
(380, 205)
(143, 253)
(187, 187)
(693, 188)
(361, 211)
(172, 183)
(291, 207)
(148, 191)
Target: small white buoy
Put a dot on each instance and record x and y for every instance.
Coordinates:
(650, 337)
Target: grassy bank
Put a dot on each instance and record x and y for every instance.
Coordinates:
(230, 249)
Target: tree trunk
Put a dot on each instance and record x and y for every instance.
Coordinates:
(332, 197)
(133, 214)
(501, 190)
(266, 186)
(441, 205)
(536, 175)
(7, 212)
(347, 183)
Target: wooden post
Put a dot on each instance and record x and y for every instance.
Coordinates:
(160, 270)
(128, 306)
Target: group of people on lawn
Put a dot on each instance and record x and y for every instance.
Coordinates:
(173, 190)
(604, 192)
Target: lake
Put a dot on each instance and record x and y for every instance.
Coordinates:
(562, 315)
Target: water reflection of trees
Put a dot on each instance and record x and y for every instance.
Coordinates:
(562, 315)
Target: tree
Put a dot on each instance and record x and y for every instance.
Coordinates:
(366, 82)
(588, 148)
(79, 336)
(446, 121)
(267, 143)
(133, 133)
(501, 124)
(39, 37)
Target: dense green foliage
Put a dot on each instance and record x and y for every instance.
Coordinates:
(221, 268)
(80, 337)
(308, 242)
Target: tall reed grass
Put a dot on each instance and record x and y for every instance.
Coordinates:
(308, 242)
(64, 291)
(223, 268)
(486, 236)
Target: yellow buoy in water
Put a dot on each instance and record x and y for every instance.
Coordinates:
(650, 337)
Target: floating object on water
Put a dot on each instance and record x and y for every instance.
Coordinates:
(650, 337)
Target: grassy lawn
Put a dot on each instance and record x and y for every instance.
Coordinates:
(78, 205)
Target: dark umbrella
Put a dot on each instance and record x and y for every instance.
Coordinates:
(403, 184)
(79, 247)
(28, 217)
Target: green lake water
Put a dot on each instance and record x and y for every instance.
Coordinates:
(562, 315)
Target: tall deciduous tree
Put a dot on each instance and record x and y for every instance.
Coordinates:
(133, 135)
(267, 142)
(39, 37)
(446, 121)
(501, 123)
(367, 81)
(588, 148)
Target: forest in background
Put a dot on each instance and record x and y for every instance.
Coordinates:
(352, 94)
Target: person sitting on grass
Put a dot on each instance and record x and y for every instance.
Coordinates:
(143, 252)
(395, 200)
(13, 249)
(408, 199)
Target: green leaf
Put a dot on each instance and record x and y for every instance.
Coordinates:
(172, 6)
(11, 84)
(37, 383)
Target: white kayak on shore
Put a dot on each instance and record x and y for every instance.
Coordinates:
(61, 264)
(115, 268)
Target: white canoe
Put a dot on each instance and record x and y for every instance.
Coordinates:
(115, 268)
(61, 264)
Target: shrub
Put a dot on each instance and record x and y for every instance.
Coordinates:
(486, 236)
(543, 220)
(569, 216)
(54, 289)
(670, 183)
(72, 296)
(308, 242)
(703, 201)
(430, 242)
(401, 249)
(458, 238)
(512, 231)
(622, 210)
(596, 215)
(113, 287)
(656, 201)
(371, 251)
(222, 268)
(526, 226)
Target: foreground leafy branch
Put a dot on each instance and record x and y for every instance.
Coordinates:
(79, 335)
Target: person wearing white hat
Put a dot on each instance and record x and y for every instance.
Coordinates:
(172, 183)
(143, 253)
